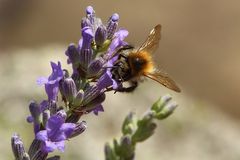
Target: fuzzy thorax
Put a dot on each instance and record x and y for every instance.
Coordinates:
(141, 62)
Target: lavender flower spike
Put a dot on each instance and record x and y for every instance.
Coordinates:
(55, 134)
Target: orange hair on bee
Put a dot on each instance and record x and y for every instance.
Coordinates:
(146, 67)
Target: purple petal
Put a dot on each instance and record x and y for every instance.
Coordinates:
(115, 17)
(104, 81)
(52, 91)
(60, 146)
(68, 128)
(89, 10)
(115, 84)
(57, 73)
(30, 119)
(41, 81)
(53, 125)
(80, 44)
(120, 35)
(64, 132)
(87, 34)
(42, 135)
(49, 146)
(99, 108)
(51, 86)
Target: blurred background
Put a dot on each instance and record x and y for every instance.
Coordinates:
(199, 49)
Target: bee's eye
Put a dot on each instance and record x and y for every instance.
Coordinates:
(138, 63)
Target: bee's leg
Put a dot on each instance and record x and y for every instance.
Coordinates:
(122, 48)
(131, 88)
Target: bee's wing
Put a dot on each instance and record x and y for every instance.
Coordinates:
(163, 79)
(152, 41)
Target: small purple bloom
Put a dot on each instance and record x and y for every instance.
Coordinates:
(115, 84)
(104, 81)
(99, 108)
(52, 83)
(55, 134)
(118, 41)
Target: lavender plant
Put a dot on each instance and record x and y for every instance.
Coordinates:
(83, 92)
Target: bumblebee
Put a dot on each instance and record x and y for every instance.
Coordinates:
(132, 64)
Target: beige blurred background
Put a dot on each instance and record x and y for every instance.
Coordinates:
(199, 49)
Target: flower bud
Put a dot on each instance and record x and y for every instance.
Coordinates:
(95, 104)
(109, 152)
(35, 146)
(166, 111)
(73, 118)
(144, 133)
(161, 102)
(145, 128)
(95, 67)
(89, 10)
(45, 116)
(54, 158)
(39, 155)
(68, 89)
(104, 81)
(85, 58)
(126, 149)
(78, 99)
(85, 22)
(26, 156)
(35, 110)
(112, 25)
(80, 128)
(17, 147)
(90, 14)
(35, 116)
(73, 56)
(129, 126)
(87, 35)
(90, 94)
(100, 35)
